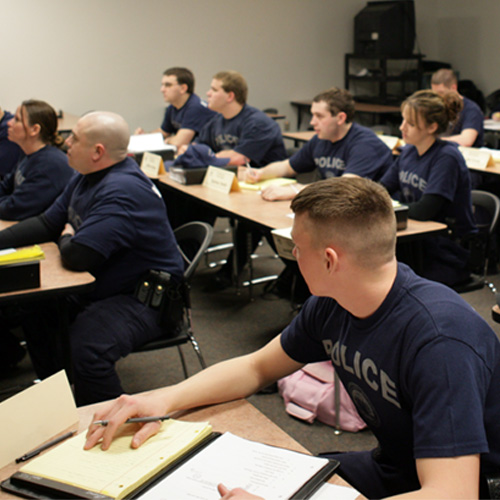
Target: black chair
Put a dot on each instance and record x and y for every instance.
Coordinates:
(486, 210)
(193, 239)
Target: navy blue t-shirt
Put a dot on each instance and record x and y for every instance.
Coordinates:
(360, 153)
(9, 151)
(122, 216)
(471, 116)
(251, 133)
(34, 184)
(442, 171)
(423, 370)
(193, 116)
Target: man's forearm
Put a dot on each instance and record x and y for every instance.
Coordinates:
(27, 232)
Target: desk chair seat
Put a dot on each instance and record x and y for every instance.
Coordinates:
(486, 211)
(193, 239)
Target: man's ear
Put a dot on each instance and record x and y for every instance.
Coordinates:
(331, 259)
(99, 151)
(341, 117)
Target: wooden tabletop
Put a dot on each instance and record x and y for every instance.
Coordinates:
(301, 136)
(249, 206)
(238, 417)
(246, 205)
(54, 278)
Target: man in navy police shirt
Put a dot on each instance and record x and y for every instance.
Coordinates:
(340, 147)
(469, 128)
(111, 221)
(240, 132)
(422, 367)
(187, 113)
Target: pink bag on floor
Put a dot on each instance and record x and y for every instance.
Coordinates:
(309, 394)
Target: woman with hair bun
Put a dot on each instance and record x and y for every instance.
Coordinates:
(431, 177)
(42, 171)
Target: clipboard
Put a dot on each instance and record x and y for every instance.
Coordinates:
(27, 486)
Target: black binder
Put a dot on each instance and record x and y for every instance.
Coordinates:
(28, 486)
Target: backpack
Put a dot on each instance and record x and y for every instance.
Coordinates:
(309, 394)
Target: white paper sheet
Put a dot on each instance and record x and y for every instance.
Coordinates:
(273, 473)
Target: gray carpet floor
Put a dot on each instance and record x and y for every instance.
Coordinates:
(230, 323)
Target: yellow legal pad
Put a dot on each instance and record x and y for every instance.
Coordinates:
(21, 255)
(119, 470)
(259, 186)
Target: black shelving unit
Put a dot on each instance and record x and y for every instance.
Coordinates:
(380, 74)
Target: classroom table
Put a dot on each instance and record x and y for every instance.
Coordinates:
(249, 206)
(491, 125)
(55, 279)
(238, 417)
(300, 136)
(359, 107)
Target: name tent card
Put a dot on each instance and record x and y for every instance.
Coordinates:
(391, 141)
(36, 415)
(221, 180)
(152, 165)
(477, 158)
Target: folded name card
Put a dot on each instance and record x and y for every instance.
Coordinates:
(221, 179)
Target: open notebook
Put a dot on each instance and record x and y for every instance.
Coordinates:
(97, 474)
(185, 460)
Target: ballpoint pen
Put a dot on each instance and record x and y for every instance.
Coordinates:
(39, 450)
(134, 420)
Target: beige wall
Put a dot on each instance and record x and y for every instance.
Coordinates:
(464, 33)
(109, 54)
(88, 54)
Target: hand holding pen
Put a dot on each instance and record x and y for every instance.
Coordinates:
(134, 420)
(147, 409)
(251, 174)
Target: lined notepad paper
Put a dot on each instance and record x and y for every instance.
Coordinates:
(121, 469)
(259, 186)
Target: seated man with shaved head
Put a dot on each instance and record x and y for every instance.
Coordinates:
(110, 221)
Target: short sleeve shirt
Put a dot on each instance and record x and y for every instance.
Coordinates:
(471, 116)
(193, 116)
(423, 370)
(442, 171)
(360, 153)
(251, 133)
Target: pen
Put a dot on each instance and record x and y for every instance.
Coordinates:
(134, 420)
(37, 451)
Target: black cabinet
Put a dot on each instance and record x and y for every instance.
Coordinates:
(385, 80)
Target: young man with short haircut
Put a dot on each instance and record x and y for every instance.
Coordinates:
(240, 132)
(422, 367)
(340, 147)
(187, 113)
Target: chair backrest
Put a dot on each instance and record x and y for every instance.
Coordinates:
(489, 203)
(193, 238)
